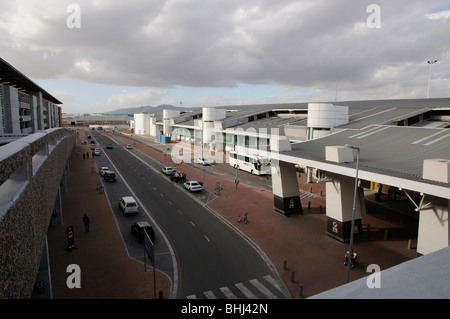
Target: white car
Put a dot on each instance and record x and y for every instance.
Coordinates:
(168, 170)
(193, 186)
(102, 170)
(97, 152)
(203, 161)
(128, 205)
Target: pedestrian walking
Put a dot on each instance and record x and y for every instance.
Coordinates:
(84, 156)
(87, 155)
(86, 222)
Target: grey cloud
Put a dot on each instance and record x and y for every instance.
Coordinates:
(311, 44)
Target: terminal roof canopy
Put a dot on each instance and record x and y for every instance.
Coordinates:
(391, 155)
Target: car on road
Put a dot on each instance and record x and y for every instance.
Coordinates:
(128, 205)
(138, 228)
(193, 186)
(168, 170)
(109, 146)
(129, 146)
(203, 161)
(103, 169)
(109, 176)
(97, 152)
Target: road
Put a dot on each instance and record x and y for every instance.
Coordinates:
(202, 256)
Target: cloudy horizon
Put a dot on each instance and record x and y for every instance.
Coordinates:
(211, 53)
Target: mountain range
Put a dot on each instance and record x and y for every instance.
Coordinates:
(144, 109)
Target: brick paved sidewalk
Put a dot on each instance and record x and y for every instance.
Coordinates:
(107, 272)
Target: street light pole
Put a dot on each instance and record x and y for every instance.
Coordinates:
(352, 230)
(429, 76)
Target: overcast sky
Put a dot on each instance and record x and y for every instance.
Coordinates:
(113, 54)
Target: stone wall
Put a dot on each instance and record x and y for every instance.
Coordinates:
(24, 220)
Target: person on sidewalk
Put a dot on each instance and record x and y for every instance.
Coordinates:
(86, 222)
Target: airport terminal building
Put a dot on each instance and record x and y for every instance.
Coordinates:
(400, 148)
(25, 107)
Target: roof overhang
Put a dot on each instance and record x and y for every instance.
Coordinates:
(14, 77)
(389, 155)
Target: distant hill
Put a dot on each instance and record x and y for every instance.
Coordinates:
(143, 109)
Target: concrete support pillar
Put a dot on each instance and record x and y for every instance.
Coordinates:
(12, 113)
(38, 105)
(33, 113)
(285, 189)
(339, 203)
(433, 226)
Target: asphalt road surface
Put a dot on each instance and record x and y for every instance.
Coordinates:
(203, 256)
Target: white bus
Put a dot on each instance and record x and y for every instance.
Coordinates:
(254, 164)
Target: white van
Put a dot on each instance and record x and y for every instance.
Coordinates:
(128, 205)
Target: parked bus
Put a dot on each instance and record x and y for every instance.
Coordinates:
(254, 164)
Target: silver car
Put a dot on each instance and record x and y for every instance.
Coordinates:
(193, 186)
(103, 169)
(168, 170)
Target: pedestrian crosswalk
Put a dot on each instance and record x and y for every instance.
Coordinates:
(265, 288)
(305, 194)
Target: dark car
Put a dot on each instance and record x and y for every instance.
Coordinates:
(138, 228)
(109, 146)
(109, 176)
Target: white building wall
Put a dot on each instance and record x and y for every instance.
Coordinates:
(209, 115)
(167, 116)
(213, 114)
(153, 131)
(142, 123)
(324, 116)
